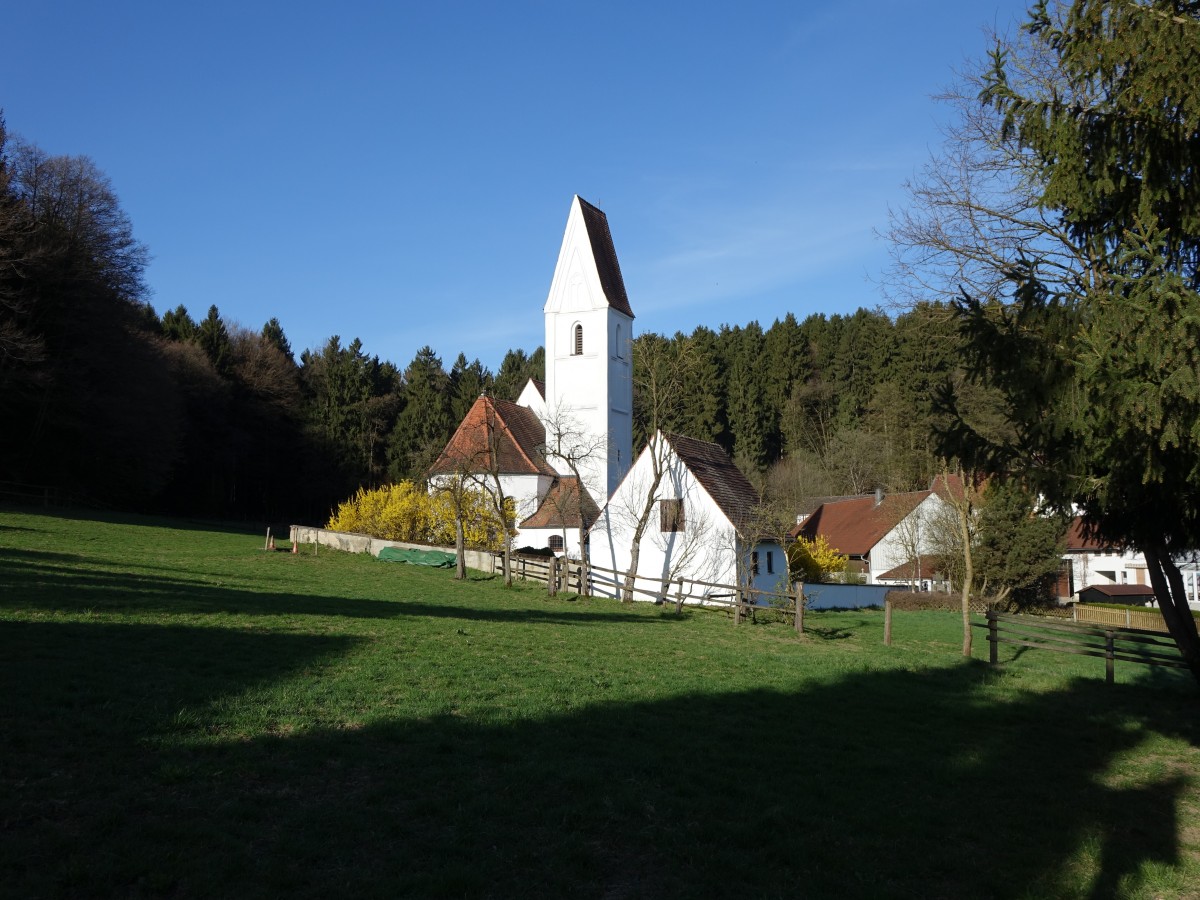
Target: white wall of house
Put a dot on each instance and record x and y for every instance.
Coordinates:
(705, 550)
(542, 537)
(914, 532)
(1090, 567)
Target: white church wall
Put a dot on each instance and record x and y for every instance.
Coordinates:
(544, 537)
(531, 398)
(589, 376)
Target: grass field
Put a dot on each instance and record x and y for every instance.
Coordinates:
(185, 715)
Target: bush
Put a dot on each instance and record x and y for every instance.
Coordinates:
(405, 512)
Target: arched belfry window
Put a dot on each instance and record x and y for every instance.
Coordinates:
(578, 346)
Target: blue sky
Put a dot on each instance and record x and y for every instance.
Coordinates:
(402, 172)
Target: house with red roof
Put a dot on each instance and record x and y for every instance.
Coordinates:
(1092, 562)
(888, 537)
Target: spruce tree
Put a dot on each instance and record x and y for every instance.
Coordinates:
(1096, 349)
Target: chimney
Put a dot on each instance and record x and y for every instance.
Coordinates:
(878, 495)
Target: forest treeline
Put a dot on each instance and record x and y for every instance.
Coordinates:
(190, 413)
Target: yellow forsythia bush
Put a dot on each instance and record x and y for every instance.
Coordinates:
(405, 512)
(815, 559)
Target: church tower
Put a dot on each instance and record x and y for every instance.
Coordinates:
(589, 334)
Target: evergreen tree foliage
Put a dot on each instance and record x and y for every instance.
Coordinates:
(213, 338)
(272, 333)
(468, 381)
(177, 325)
(516, 369)
(1094, 351)
(1018, 550)
(425, 423)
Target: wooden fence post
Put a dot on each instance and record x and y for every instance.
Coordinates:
(887, 622)
(798, 593)
(737, 606)
(1109, 657)
(679, 598)
(552, 576)
(993, 638)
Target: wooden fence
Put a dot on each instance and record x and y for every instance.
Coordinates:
(740, 601)
(1133, 645)
(1145, 619)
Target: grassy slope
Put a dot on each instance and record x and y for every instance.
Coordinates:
(184, 715)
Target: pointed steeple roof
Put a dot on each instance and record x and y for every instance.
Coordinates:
(588, 253)
(605, 254)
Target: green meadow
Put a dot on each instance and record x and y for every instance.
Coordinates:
(186, 715)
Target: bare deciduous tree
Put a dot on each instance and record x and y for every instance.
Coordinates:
(570, 443)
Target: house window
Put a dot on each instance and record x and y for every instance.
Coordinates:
(578, 349)
(556, 543)
(754, 563)
(670, 515)
(770, 562)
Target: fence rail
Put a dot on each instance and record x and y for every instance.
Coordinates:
(1133, 645)
(741, 601)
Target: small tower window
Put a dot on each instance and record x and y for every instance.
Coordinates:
(619, 353)
(578, 349)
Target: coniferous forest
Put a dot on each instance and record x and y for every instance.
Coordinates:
(107, 402)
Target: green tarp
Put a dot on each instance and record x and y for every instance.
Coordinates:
(439, 559)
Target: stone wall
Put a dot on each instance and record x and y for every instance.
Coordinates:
(480, 560)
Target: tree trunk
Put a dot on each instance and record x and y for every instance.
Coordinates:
(460, 550)
(507, 558)
(1172, 601)
(964, 526)
(634, 552)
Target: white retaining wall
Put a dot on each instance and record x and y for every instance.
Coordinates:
(480, 560)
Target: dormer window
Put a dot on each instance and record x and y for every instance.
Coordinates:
(578, 347)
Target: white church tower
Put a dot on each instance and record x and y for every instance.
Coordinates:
(589, 333)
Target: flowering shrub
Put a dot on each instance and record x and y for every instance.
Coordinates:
(405, 512)
(815, 558)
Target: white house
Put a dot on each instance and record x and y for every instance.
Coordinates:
(888, 537)
(699, 515)
(566, 443)
(1091, 562)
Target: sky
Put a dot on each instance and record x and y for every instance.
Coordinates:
(402, 172)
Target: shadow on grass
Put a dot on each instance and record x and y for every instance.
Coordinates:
(117, 779)
(36, 579)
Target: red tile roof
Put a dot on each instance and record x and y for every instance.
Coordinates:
(605, 254)
(1080, 540)
(560, 506)
(855, 526)
(926, 568)
(519, 436)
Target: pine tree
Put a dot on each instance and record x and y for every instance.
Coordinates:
(1095, 352)
(213, 338)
